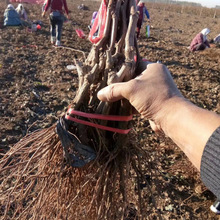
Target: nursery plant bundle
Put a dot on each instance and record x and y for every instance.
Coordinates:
(82, 166)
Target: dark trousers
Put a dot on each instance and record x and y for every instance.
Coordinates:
(200, 47)
(56, 23)
(139, 24)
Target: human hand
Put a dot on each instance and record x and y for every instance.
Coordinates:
(68, 17)
(155, 96)
(43, 14)
(152, 93)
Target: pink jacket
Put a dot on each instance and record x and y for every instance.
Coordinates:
(198, 39)
(142, 11)
(56, 5)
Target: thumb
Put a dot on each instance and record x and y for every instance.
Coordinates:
(112, 93)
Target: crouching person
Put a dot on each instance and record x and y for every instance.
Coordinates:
(216, 40)
(200, 41)
(22, 12)
(11, 17)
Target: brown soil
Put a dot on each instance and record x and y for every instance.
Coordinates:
(36, 87)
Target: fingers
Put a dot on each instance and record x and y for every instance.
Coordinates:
(112, 93)
(156, 128)
(117, 91)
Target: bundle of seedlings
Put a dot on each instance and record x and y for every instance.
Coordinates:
(81, 167)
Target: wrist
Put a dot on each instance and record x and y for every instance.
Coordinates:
(170, 113)
(188, 126)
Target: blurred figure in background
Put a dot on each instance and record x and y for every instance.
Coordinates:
(81, 7)
(216, 40)
(93, 19)
(22, 12)
(200, 41)
(142, 12)
(11, 17)
(56, 18)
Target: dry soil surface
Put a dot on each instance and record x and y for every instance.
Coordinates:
(36, 87)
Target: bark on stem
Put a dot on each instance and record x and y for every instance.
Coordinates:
(115, 18)
(129, 39)
(80, 72)
(107, 25)
(121, 42)
(127, 70)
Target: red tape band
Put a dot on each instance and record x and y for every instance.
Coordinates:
(117, 130)
(98, 116)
